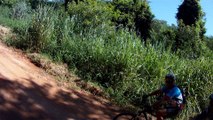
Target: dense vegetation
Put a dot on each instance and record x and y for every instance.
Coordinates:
(105, 43)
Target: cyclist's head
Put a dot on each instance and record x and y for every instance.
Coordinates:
(170, 78)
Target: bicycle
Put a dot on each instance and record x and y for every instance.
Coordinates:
(147, 112)
(139, 115)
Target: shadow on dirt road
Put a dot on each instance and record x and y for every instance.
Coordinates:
(33, 102)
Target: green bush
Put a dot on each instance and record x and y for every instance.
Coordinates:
(209, 42)
(41, 29)
(18, 25)
(20, 10)
(134, 15)
(89, 14)
(188, 42)
(163, 34)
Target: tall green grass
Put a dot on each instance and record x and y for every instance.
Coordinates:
(117, 60)
(16, 24)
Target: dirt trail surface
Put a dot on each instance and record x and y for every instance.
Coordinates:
(28, 93)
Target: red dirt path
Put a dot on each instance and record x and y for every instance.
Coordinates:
(28, 93)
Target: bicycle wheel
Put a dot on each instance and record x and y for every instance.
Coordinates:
(125, 116)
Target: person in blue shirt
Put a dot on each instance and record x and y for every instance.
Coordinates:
(171, 101)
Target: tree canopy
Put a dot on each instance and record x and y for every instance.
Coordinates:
(190, 12)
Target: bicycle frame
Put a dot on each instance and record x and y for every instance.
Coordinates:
(146, 109)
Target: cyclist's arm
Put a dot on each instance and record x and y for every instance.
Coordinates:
(173, 103)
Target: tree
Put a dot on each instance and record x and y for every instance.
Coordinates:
(190, 13)
(134, 15)
(143, 19)
(188, 43)
(191, 30)
(163, 33)
(66, 2)
(89, 15)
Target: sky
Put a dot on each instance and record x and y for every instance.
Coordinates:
(167, 9)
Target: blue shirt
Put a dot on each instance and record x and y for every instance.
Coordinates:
(173, 93)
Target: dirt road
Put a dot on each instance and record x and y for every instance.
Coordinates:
(28, 93)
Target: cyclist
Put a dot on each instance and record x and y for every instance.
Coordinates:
(172, 98)
(207, 114)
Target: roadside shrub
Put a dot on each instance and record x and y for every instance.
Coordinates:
(134, 15)
(89, 14)
(18, 26)
(209, 42)
(20, 10)
(163, 34)
(41, 29)
(188, 42)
